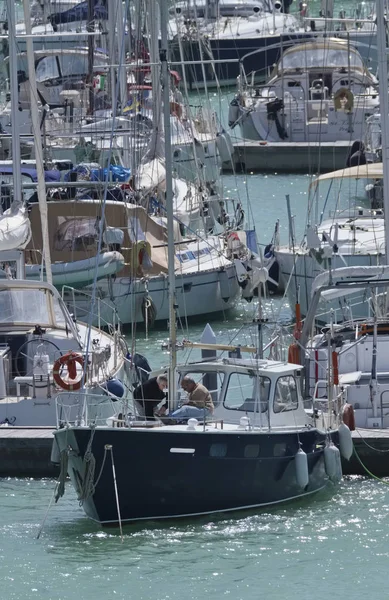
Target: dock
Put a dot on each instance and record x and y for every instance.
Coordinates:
(26, 452)
(372, 447)
(287, 157)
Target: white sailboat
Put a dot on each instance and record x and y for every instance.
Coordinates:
(43, 348)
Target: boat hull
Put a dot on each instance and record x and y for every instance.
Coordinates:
(198, 293)
(236, 48)
(165, 473)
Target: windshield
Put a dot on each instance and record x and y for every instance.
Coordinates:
(28, 306)
(320, 58)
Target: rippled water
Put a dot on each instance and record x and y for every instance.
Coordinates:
(336, 545)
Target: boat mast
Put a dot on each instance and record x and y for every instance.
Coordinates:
(13, 71)
(91, 45)
(165, 82)
(41, 187)
(384, 110)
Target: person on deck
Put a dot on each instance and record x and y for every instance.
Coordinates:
(199, 403)
(151, 393)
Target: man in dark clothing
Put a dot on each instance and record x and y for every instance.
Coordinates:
(149, 394)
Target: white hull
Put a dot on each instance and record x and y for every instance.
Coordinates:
(200, 293)
(301, 270)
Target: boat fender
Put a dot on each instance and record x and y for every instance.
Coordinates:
(115, 387)
(70, 360)
(224, 146)
(233, 112)
(345, 441)
(294, 354)
(301, 462)
(348, 416)
(332, 462)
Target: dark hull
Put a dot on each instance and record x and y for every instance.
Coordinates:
(153, 482)
(262, 62)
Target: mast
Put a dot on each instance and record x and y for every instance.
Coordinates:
(41, 188)
(384, 110)
(165, 81)
(13, 69)
(91, 44)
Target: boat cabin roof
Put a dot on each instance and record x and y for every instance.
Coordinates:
(262, 367)
(31, 303)
(368, 171)
(328, 54)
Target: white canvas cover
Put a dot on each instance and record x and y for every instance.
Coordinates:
(15, 229)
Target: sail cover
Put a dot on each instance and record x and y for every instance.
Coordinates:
(15, 229)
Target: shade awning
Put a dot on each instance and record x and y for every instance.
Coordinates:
(369, 171)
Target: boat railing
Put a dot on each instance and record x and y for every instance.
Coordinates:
(84, 409)
(79, 304)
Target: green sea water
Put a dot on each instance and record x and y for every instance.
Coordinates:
(336, 544)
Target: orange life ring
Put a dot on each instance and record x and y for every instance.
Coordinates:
(69, 359)
(176, 109)
(348, 416)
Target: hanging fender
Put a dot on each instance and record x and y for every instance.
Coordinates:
(70, 360)
(348, 416)
(294, 354)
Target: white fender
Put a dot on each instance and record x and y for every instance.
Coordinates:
(332, 462)
(224, 146)
(345, 441)
(302, 475)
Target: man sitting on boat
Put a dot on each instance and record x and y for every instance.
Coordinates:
(150, 393)
(199, 403)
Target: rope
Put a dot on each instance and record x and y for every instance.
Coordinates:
(60, 487)
(369, 446)
(369, 472)
(109, 447)
(88, 487)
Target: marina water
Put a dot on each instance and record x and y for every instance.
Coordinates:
(336, 544)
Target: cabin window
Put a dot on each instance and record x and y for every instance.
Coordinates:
(243, 393)
(46, 69)
(73, 65)
(285, 397)
(218, 450)
(251, 451)
(279, 449)
(212, 380)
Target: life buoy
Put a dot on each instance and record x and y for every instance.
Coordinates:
(70, 359)
(176, 109)
(294, 354)
(348, 416)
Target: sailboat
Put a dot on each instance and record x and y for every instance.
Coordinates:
(318, 91)
(43, 347)
(357, 348)
(259, 447)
